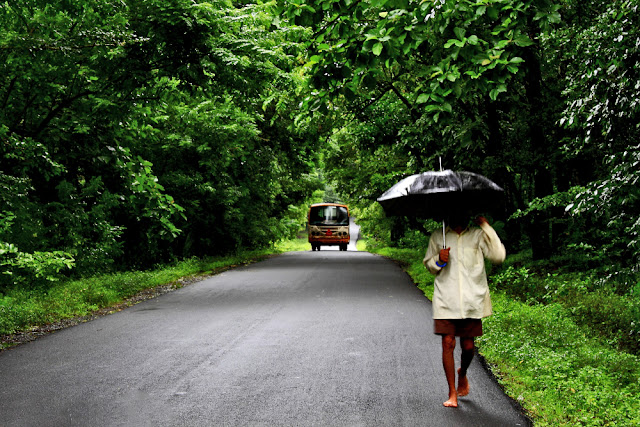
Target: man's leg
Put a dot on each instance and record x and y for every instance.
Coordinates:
(467, 344)
(449, 364)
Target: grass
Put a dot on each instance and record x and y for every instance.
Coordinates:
(559, 370)
(295, 245)
(27, 310)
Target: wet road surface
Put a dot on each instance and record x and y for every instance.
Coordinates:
(323, 338)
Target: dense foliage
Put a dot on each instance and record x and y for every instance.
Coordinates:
(134, 132)
(539, 95)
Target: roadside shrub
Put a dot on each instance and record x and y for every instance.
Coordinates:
(7, 316)
(517, 282)
(31, 270)
(563, 375)
(20, 310)
(414, 239)
(612, 316)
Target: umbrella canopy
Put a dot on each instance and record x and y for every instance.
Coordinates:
(436, 195)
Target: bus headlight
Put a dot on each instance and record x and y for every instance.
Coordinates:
(343, 232)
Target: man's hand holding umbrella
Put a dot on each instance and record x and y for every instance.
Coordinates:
(444, 257)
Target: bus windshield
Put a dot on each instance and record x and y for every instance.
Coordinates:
(329, 215)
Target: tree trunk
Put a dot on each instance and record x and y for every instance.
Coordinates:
(538, 230)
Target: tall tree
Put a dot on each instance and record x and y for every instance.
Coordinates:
(602, 96)
(467, 76)
(134, 132)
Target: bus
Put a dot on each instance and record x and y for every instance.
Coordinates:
(328, 225)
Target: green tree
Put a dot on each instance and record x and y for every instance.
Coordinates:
(467, 77)
(601, 110)
(134, 132)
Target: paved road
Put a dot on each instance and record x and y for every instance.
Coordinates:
(324, 338)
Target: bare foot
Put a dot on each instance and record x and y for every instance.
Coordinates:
(452, 402)
(463, 385)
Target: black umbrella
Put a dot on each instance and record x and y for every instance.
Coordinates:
(437, 195)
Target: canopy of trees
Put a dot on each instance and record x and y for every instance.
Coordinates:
(134, 132)
(541, 96)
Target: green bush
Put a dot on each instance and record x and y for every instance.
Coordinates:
(20, 310)
(31, 270)
(614, 317)
(611, 316)
(516, 282)
(556, 369)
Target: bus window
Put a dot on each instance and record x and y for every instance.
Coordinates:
(329, 215)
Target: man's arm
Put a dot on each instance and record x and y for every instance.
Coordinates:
(492, 247)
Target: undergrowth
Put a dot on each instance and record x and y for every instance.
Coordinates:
(557, 369)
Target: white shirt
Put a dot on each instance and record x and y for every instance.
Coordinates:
(460, 289)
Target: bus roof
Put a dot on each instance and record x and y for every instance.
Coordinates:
(328, 204)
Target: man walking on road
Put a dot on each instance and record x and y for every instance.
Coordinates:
(461, 293)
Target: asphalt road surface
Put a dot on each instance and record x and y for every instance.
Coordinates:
(323, 338)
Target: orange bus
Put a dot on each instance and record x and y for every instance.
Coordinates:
(328, 225)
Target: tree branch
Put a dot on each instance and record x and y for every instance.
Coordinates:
(333, 21)
(405, 101)
(9, 90)
(54, 112)
(372, 101)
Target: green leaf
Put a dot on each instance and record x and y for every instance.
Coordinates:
(523, 41)
(423, 98)
(495, 92)
(450, 43)
(377, 49)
